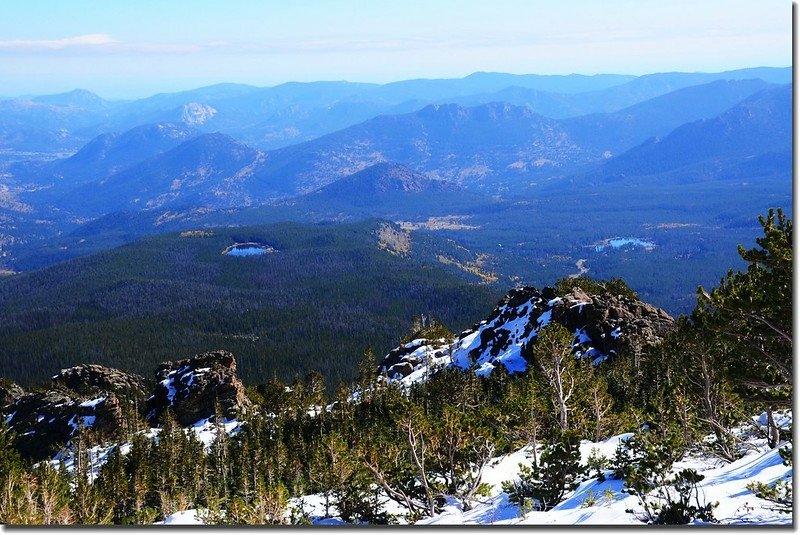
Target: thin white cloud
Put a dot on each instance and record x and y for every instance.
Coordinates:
(90, 40)
(101, 43)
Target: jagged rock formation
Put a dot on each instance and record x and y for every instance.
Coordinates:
(45, 421)
(87, 396)
(420, 356)
(608, 324)
(104, 399)
(191, 388)
(9, 392)
(603, 325)
(91, 378)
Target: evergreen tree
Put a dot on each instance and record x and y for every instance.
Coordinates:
(112, 483)
(753, 310)
(544, 486)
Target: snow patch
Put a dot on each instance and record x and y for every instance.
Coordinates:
(182, 518)
(169, 384)
(92, 403)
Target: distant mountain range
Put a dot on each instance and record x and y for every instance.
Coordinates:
(272, 117)
(757, 127)
(725, 126)
(383, 179)
(475, 147)
(108, 154)
(207, 170)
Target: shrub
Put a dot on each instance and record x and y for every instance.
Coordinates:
(559, 472)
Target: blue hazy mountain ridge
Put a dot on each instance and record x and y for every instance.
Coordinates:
(201, 171)
(615, 98)
(271, 117)
(493, 151)
(108, 154)
(653, 85)
(385, 190)
(77, 98)
(623, 129)
(384, 177)
(759, 126)
(448, 141)
(473, 145)
(490, 82)
(476, 147)
(209, 162)
(239, 106)
(49, 123)
(278, 116)
(388, 187)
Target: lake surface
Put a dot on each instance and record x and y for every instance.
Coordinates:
(248, 249)
(616, 243)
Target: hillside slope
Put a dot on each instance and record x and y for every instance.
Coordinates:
(317, 301)
(759, 125)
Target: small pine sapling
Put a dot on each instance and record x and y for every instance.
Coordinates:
(559, 471)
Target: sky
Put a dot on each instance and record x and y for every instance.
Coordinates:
(131, 49)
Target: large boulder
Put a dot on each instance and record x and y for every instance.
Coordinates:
(193, 387)
(607, 324)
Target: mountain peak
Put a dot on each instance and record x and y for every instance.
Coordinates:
(384, 178)
(77, 98)
(113, 152)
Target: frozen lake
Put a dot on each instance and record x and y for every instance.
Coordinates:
(616, 243)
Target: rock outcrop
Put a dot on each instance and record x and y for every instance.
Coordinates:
(103, 399)
(611, 324)
(9, 392)
(93, 378)
(191, 388)
(603, 326)
(45, 422)
(414, 358)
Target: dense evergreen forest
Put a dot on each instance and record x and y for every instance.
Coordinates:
(729, 359)
(325, 294)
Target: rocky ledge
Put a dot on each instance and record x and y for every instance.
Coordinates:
(108, 402)
(92, 378)
(46, 421)
(193, 387)
(603, 326)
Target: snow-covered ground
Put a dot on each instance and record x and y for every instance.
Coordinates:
(204, 430)
(182, 518)
(593, 502)
(724, 483)
(605, 503)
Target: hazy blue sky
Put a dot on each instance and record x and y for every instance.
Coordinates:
(135, 48)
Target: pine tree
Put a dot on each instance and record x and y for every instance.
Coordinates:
(112, 483)
(702, 374)
(218, 456)
(753, 310)
(544, 486)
